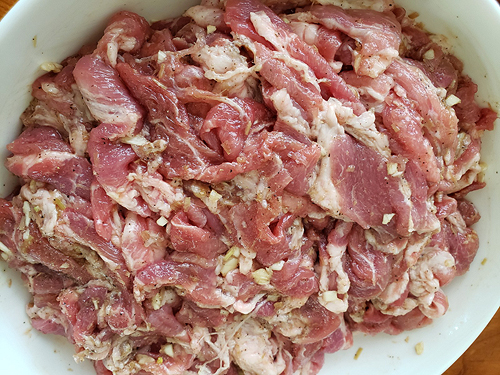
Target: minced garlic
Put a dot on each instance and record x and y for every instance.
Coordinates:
(262, 276)
(5, 251)
(168, 349)
(419, 348)
(162, 221)
(51, 67)
(161, 57)
(387, 218)
(144, 359)
(26, 211)
(452, 100)
(233, 252)
(329, 296)
(429, 55)
(278, 266)
(358, 353)
(228, 266)
(392, 168)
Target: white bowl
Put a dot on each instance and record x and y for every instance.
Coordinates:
(62, 26)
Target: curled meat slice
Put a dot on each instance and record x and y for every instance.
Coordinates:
(107, 97)
(126, 32)
(378, 33)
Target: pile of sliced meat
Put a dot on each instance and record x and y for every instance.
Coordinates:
(240, 189)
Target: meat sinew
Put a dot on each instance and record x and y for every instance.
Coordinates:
(240, 189)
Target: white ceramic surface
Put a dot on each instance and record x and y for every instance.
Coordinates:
(61, 26)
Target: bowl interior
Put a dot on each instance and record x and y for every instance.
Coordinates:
(471, 27)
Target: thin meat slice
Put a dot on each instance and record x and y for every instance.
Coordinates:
(440, 122)
(318, 323)
(327, 41)
(368, 192)
(107, 219)
(280, 76)
(41, 154)
(471, 117)
(197, 282)
(37, 250)
(69, 173)
(334, 282)
(143, 242)
(295, 280)
(422, 208)
(58, 103)
(256, 21)
(372, 91)
(82, 307)
(378, 33)
(186, 155)
(107, 97)
(126, 32)
(404, 125)
(111, 164)
(126, 180)
(164, 322)
(293, 171)
(82, 230)
(35, 140)
(253, 226)
(191, 313)
(469, 212)
(463, 246)
(186, 236)
(369, 270)
(465, 169)
(231, 127)
(160, 40)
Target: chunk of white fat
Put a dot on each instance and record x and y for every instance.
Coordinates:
(214, 196)
(253, 350)
(156, 301)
